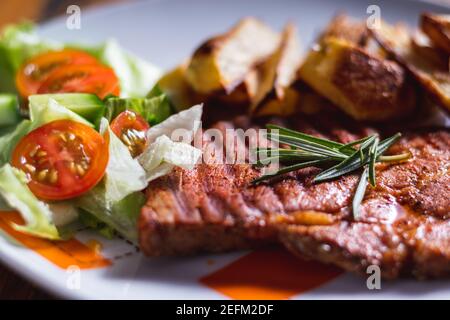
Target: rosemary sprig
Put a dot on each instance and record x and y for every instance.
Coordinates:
(309, 151)
(359, 193)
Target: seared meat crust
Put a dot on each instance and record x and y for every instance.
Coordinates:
(404, 227)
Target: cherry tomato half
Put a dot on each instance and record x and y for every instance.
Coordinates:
(130, 127)
(36, 70)
(63, 159)
(96, 79)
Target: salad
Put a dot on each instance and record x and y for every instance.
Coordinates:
(82, 132)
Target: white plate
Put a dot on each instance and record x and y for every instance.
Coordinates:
(165, 32)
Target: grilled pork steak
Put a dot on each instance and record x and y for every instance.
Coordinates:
(404, 226)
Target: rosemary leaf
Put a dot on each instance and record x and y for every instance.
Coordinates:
(351, 163)
(305, 145)
(372, 159)
(289, 169)
(308, 151)
(395, 158)
(359, 193)
(386, 143)
(324, 142)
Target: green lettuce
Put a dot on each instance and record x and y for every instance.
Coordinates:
(40, 114)
(17, 44)
(154, 110)
(117, 200)
(37, 214)
(124, 175)
(136, 76)
(9, 110)
(9, 140)
(92, 222)
(20, 42)
(121, 216)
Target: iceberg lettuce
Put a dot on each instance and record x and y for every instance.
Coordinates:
(124, 175)
(136, 76)
(37, 215)
(162, 154)
(17, 44)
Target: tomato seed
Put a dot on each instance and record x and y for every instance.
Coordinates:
(53, 176)
(84, 165)
(126, 140)
(80, 170)
(41, 154)
(72, 167)
(42, 175)
(34, 151)
(30, 168)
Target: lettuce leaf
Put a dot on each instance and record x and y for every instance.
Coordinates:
(92, 222)
(121, 216)
(154, 110)
(116, 201)
(124, 175)
(17, 44)
(9, 140)
(42, 113)
(136, 76)
(37, 214)
(20, 42)
(187, 121)
(9, 110)
(162, 154)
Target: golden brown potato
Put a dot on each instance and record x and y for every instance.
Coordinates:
(285, 106)
(346, 28)
(354, 31)
(244, 93)
(276, 75)
(223, 62)
(427, 50)
(432, 75)
(175, 85)
(362, 85)
(437, 27)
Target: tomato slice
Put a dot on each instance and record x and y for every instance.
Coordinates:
(36, 70)
(63, 159)
(96, 79)
(131, 127)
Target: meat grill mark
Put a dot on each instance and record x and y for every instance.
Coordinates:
(404, 219)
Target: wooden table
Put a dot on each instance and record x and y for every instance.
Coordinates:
(13, 11)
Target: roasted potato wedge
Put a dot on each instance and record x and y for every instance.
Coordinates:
(175, 85)
(354, 31)
(364, 86)
(346, 28)
(437, 28)
(285, 106)
(223, 62)
(433, 76)
(426, 49)
(245, 92)
(277, 74)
